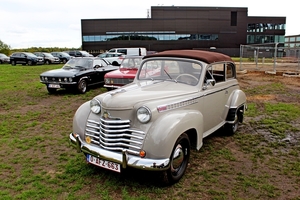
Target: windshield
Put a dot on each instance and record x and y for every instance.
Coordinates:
(48, 54)
(132, 63)
(79, 63)
(30, 54)
(179, 71)
(64, 54)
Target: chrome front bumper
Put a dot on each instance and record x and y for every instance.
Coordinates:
(122, 158)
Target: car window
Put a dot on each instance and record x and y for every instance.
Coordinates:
(178, 71)
(131, 63)
(124, 51)
(218, 72)
(99, 62)
(230, 73)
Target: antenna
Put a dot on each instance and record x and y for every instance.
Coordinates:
(148, 14)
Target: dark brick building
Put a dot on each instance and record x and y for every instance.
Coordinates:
(221, 29)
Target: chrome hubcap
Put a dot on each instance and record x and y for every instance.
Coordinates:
(178, 158)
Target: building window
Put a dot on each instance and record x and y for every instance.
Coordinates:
(148, 36)
(233, 18)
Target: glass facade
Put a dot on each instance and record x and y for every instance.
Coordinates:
(261, 39)
(292, 41)
(257, 38)
(262, 27)
(163, 36)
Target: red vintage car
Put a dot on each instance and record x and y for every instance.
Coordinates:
(125, 74)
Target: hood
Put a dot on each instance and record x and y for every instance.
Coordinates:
(128, 73)
(60, 73)
(128, 96)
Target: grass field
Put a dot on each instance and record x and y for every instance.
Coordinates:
(261, 161)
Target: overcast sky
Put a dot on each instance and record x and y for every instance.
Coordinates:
(57, 23)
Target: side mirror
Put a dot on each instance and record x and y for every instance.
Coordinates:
(210, 82)
(97, 66)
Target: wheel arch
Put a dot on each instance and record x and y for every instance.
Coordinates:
(163, 133)
(236, 106)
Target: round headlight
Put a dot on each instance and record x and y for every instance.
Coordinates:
(95, 106)
(70, 79)
(106, 80)
(143, 114)
(65, 79)
(46, 79)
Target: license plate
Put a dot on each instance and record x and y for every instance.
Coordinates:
(54, 86)
(103, 163)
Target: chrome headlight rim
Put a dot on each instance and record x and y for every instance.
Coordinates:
(95, 106)
(143, 114)
(107, 80)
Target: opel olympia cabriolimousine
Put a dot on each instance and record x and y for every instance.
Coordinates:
(177, 98)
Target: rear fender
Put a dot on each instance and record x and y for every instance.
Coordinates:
(236, 105)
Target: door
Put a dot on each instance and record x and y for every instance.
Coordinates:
(214, 98)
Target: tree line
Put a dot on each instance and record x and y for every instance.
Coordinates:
(7, 50)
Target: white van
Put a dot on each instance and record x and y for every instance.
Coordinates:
(133, 51)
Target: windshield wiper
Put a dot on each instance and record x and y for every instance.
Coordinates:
(170, 76)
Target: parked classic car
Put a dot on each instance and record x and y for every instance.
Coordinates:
(177, 98)
(125, 74)
(77, 74)
(4, 58)
(25, 58)
(48, 58)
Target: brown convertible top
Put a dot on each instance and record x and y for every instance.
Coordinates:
(206, 56)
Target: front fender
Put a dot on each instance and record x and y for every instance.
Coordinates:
(80, 118)
(164, 132)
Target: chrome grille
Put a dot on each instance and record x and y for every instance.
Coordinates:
(115, 135)
(121, 81)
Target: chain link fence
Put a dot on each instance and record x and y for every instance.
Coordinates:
(271, 57)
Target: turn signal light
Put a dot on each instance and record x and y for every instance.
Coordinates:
(142, 153)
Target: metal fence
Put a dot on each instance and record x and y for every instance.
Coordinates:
(273, 56)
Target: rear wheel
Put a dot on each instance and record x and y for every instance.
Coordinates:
(179, 160)
(115, 63)
(231, 128)
(82, 86)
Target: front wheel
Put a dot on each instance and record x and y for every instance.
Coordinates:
(13, 63)
(82, 86)
(179, 160)
(29, 62)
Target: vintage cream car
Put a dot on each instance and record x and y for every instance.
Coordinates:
(177, 98)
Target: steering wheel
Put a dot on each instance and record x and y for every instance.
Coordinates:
(189, 75)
